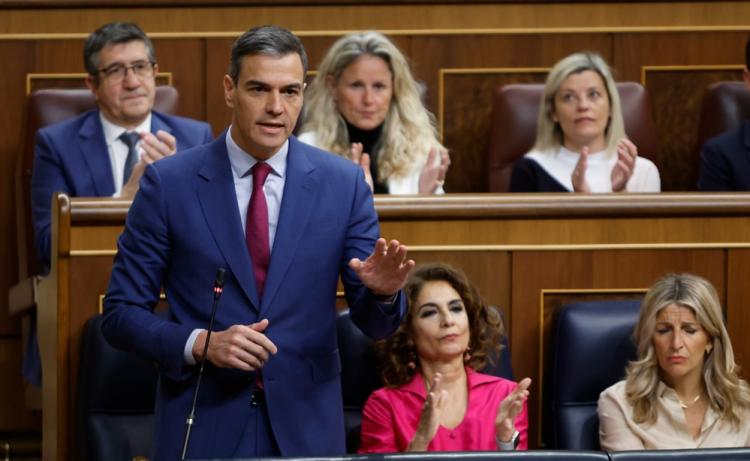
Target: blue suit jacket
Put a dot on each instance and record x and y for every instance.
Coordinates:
(184, 223)
(725, 161)
(71, 157)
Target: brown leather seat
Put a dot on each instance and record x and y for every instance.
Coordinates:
(515, 109)
(725, 106)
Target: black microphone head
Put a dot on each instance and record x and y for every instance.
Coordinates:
(220, 277)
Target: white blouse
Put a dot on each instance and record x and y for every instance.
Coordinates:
(561, 163)
(402, 185)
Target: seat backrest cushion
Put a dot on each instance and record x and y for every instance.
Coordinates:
(115, 399)
(592, 346)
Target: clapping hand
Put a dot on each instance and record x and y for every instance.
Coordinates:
(509, 408)
(433, 173)
(623, 169)
(384, 271)
(363, 160)
(579, 172)
(153, 147)
(429, 419)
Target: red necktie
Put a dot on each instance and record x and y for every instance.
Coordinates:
(256, 228)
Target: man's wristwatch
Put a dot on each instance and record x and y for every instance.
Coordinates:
(510, 445)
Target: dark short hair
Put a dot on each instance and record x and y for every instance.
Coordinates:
(266, 40)
(397, 354)
(113, 33)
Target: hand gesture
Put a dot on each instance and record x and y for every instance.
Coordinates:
(509, 408)
(433, 173)
(363, 160)
(384, 271)
(623, 169)
(579, 172)
(244, 347)
(153, 148)
(429, 419)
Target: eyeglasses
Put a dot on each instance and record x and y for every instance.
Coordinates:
(117, 72)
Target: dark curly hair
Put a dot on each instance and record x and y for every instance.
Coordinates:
(397, 353)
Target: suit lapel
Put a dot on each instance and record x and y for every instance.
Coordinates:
(746, 137)
(299, 196)
(93, 149)
(158, 123)
(219, 204)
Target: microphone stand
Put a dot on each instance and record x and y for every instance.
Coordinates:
(218, 289)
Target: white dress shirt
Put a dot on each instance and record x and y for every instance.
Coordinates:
(242, 162)
(118, 150)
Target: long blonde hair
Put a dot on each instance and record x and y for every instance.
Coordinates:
(549, 135)
(728, 395)
(409, 129)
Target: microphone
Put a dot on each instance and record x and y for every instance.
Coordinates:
(218, 289)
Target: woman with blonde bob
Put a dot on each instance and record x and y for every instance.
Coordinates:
(581, 144)
(683, 391)
(435, 398)
(365, 105)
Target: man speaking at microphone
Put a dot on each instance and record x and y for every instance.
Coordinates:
(285, 220)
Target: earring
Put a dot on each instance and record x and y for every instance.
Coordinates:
(412, 359)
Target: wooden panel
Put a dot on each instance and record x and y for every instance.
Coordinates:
(512, 270)
(677, 94)
(457, 15)
(466, 122)
(14, 416)
(737, 312)
(185, 59)
(18, 55)
(87, 288)
(217, 63)
(177, 3)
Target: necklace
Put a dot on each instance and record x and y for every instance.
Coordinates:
(687, 404)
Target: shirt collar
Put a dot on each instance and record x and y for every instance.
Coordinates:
(667, 394)
(113, 131)
(242, 161)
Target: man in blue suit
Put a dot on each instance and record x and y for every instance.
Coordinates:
(725, 159)
(285, 220)
(87, 156)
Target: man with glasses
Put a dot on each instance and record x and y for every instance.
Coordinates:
(103, 152)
